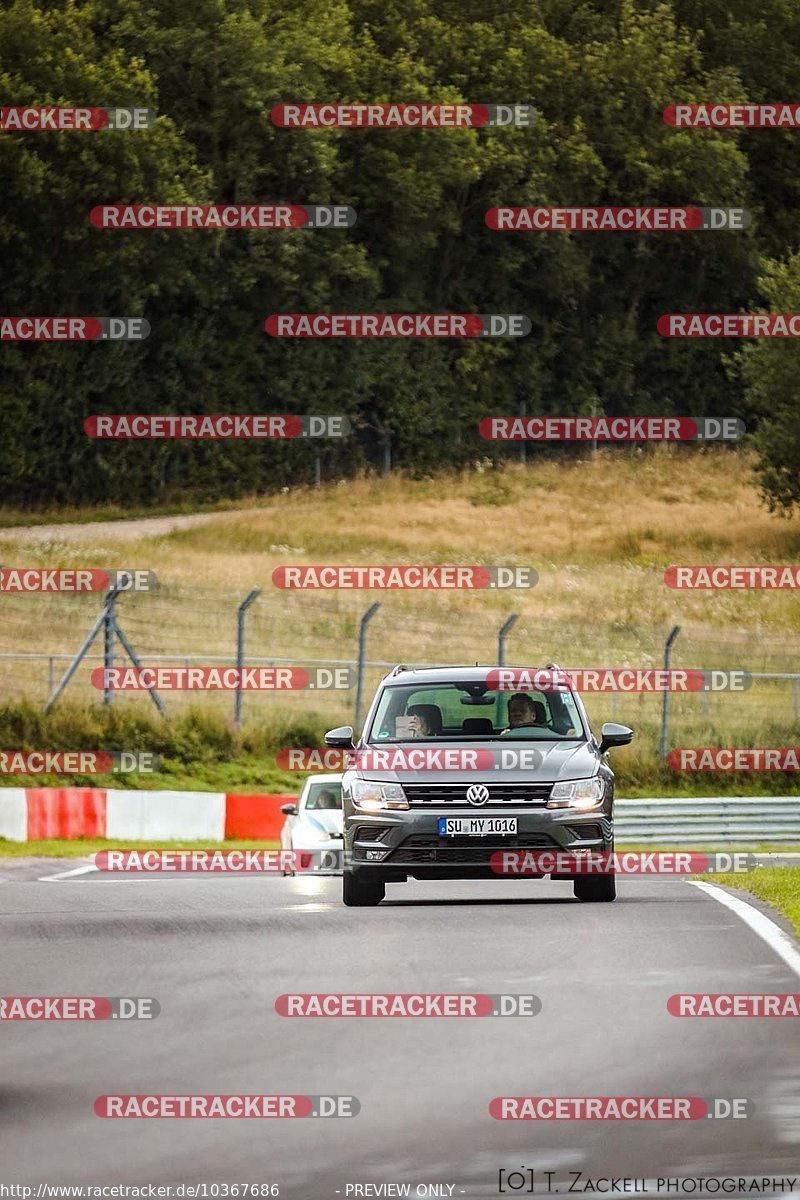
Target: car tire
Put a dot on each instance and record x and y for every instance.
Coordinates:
(358, 892)
(595, 889)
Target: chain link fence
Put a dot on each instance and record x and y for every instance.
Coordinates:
(41, 635)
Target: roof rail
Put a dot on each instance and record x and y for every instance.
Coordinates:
(396, 670)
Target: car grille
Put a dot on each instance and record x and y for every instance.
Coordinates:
(477, 851)
(456, 793)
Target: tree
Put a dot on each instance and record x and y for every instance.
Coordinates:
(770, 370)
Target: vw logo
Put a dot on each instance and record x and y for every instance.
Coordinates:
(478, 793)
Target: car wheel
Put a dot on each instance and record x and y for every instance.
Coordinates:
(597, 888)
(360, 892)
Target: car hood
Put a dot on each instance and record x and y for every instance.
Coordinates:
(545, 762)
(327, 819)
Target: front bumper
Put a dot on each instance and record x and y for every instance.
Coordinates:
(325, 857)
(407, 843)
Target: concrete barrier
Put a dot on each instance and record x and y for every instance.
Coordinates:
(66, 813)
(29, 814)
(14, 815)
(250, 817)
(166, 816)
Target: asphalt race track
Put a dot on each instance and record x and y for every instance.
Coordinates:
(215, 952)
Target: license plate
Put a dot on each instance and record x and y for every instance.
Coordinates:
(476, 826)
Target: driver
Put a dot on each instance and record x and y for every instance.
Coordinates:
(326, 799)
(523, 710)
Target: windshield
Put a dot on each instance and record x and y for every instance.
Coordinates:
(324, 795)
(470, 712)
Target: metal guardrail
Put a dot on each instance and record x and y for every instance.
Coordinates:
(709, 820)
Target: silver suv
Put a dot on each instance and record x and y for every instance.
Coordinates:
(456, 766)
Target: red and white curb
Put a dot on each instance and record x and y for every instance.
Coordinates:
(31, 814)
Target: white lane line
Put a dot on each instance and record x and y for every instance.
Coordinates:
(302, 907)
(771, 933)
(68, 874)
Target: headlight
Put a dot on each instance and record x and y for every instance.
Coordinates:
(577, 793)
(372, 796)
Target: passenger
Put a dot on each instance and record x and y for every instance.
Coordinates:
(418, 725)
(427, 720)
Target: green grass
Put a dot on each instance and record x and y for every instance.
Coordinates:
(82, 847)
(201, 751)
(247, 773)
(778, 886)
(197, 750)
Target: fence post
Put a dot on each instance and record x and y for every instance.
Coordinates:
(665, 701)
(77, 660)
(362, 642)
(502, 634)
(240, 612)
(108, 643)
(137, 662)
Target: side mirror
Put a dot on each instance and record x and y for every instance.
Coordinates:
(340, 738)
(289, 809)
(612, 734)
